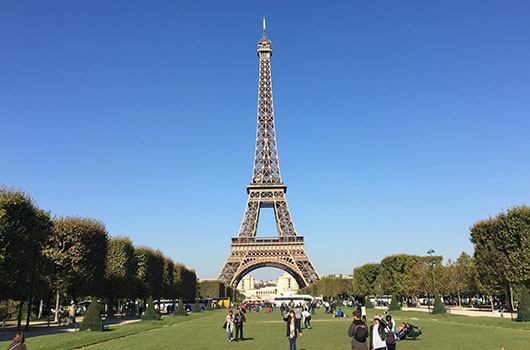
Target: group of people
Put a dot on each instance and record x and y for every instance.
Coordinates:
(235, 322)
(382, 334)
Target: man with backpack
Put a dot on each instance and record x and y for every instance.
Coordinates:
(358, 332)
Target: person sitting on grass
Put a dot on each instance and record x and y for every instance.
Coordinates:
(407, 330)
(340, 313)
(18, 342)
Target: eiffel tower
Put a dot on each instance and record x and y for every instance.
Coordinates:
(285, 251)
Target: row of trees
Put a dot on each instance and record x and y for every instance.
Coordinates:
(329, 287)
(44, 258)
(215, 288)
(500, 265)
(410, 276)
(502, 252)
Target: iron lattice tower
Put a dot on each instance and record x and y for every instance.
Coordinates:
(285, 251)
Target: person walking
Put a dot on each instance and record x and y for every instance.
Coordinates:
(358, 332)
(229, 321)
(377, 335)
(307, 319)
(363, 313)
(239, 322)
(293, 329)
(18, 342)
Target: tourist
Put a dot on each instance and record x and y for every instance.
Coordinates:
(293, 328)
(390, 321)
(239, 322)
(326, 305)
(408, 330)
(298, 316)
(377, 334)
(229, 322)
(363, 313)
(390, 336)
(340, 313)
(307, 319)
(358, 332)
(18, 342)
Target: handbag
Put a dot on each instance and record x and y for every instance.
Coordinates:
(224, 326)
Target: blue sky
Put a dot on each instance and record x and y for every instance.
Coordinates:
(399, 124)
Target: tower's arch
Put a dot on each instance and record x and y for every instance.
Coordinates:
(298, 278)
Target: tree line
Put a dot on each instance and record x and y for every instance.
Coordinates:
(499, 266)
(46, 262)
(329, 287)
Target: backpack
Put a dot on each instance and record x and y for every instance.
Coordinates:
(390, 337)
(360, 333)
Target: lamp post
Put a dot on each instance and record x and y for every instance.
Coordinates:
(432, 263)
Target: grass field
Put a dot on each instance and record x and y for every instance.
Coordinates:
(267, 331)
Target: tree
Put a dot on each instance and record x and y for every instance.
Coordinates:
(439, 307)
(150, 313)
(180, 310)
(24, 233)
(399, 274)
(394, 304)
(168, 290)
(502, 248)
(92, 319)
(196, 306)
(364, 279)
(523, 311)
(329, 286)
(368, 303)
(119, 271)
(458, 278)
(210, 289)
(150, 270)
(189, 283)
(78, 248)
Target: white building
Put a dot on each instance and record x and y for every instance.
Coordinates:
(284, 285)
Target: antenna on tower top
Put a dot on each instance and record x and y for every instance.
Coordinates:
(264, 29)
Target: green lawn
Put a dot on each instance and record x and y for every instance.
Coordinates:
(267, 331)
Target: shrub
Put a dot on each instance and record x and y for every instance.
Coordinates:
(368, 303)
(523, 311)
(439, 307)
(197, 306)
(209, 306)
(150, 313)
(180, 310)
(394, 304)
(92, 320)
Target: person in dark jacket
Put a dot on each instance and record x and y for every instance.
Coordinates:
(377, 334)
(293, 329)
(357, 332)
(239, 322)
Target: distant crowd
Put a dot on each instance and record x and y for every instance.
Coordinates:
(382, 334)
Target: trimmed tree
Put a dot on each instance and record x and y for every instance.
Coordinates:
(368, 303)
(150, 313)
(209, 306)
(180, 310)
(439, 307)
(92, 320)
(523, 312)
(394, 304)
(196, 307)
